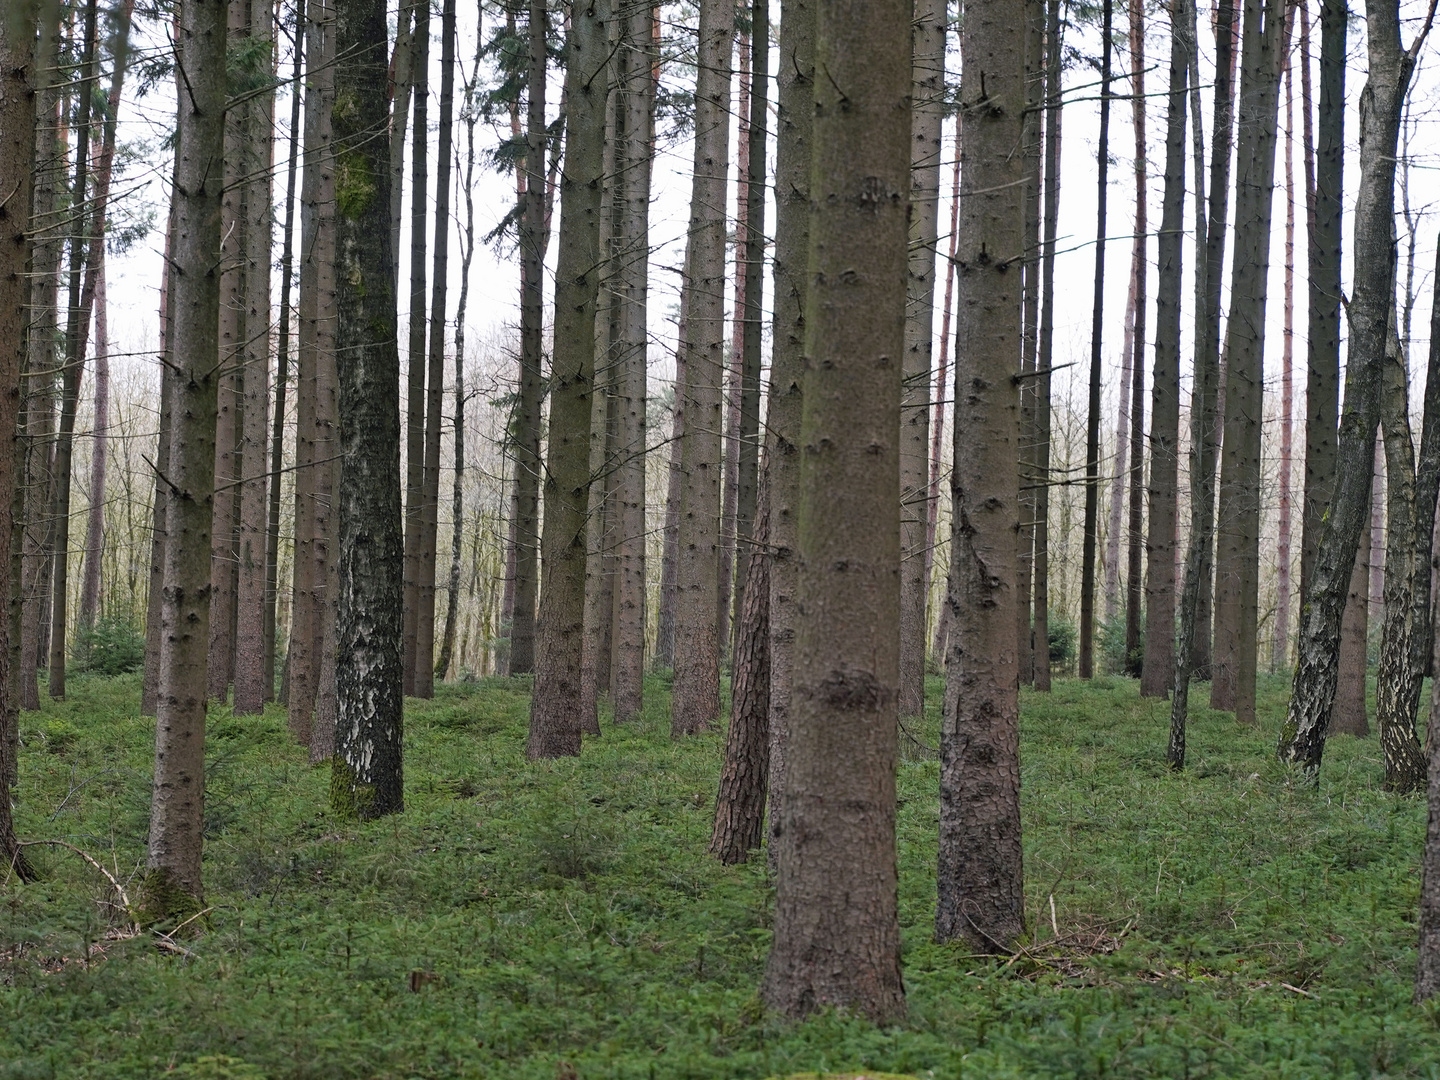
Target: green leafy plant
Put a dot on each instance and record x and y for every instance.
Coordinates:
(111, 646)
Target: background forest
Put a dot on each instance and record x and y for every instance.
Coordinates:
(550, 539)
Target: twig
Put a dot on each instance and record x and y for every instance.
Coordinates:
(119, 891)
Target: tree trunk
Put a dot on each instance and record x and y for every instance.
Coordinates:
(740, 804)
(77, 329)
(981, 886)
(18, 124)
(696, 693)
(1280, 644)
(527, 416)
(282, 371)
(1157, 674)
(1097, 325)
(1302, 739)
(1324, 206)
(670, 552)
(251, 676)
(1427, 492)
(1237, 572)
(1139, 273)
(1054, 77)
(422, 675)
(634, 114)
(95, 519)
(928, 61)
(555, 720)
(172, 882)
(794, 126)
(837, 939)
(1427, 969)
(1348, 715)
(366, 780)
(402, 74)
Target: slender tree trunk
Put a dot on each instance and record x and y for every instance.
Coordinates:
(1158, 671)
(282, 368)
(837, 940)
(18, 124)
(1376, 534)
(366, 776)
(172, 882)
(77, 328)
(670, 552)
(527, 417)
(1114, 526)
(928, 61)
(1324, 206)
(1097, 325)
(251, 677)
(1237, 574)
(1396, 682)
(696, 694)
(95, 520)
(415, 368)
(1139, 275)
(1427, 493)
(1302, 739)
(634, 113)
(402, 74)
(740, 804)
(794, 127)
(555, 720)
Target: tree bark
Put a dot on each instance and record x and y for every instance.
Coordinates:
(1427, 493)
(1097, 325)
(940, 393)
(1139, 274)
(837, 940)
(1348, 714)
(1427, 969)
(794, 129)
(740, 805)
(695, 697)
(928, 61)
(670, 552)
(100, 432)
(172, 881)
(1302, 739)
(1158, 671)
(555, 713)
(366, 778)
(1280, 642)
(981, 882)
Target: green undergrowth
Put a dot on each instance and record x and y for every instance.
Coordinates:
(562, 920)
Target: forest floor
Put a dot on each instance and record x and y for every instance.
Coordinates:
(562, 920)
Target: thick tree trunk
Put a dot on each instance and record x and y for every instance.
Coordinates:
(1324, 206)
(981, 884)
(837, 939)
(18, 123)
(1302, 739)
(1348, 714)
(1158, 671)
(422, 675)
(740, 803)
(172, 882)
(1097, 325)
(527, 415)
(253, 681)
(366, 779)
(634, 114)
(555, 720)
(928, 60)
(1054, 76)
(794, 127)
(1427, 970)
(696, 694)
(1237, 573)
(1427, 492)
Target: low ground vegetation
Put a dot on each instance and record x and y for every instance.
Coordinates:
(561, 919)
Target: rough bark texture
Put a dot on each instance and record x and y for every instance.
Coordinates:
(1158, 673)
(740, 804)
(981, 884)
(1139, 277)
(1097, 324)
(527, 412)
(1324, 205)
(100, 435)
(669, 556)
(837, 940)
(1302, 738)
(928, 60)
(172, 879)
(1427, 969)
(696, 693)
(366, 778)
(1427, 492)
(634, 116)
(794, 127)
(251, 676)
(555, 720)
(1348, 714)
(18, 99)
(1237, 565)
